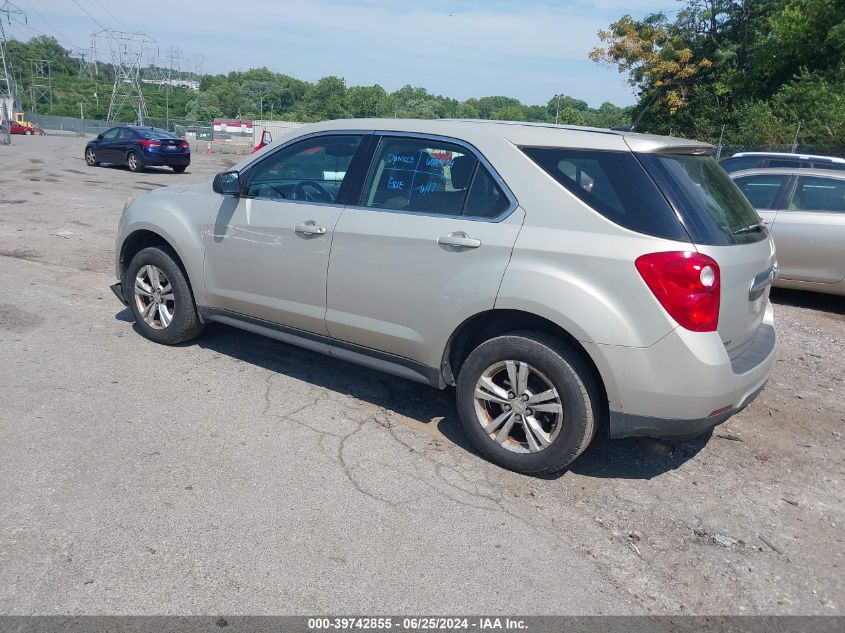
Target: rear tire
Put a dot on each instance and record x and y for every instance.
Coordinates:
(542, 423)
(179, 169)
(134, 162)
(160, 298)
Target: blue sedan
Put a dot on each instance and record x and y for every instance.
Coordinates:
(139, 147)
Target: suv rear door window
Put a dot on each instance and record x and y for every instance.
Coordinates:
(423, 175)
(486, 199)
(615, 185)
(761, 190)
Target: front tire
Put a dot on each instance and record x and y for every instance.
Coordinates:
(528, 402)
(91, 157)
(134, 162)
(160, 297)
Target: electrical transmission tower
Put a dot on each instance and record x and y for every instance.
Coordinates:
(154, 71)
(8, 89)
(41, 86)
(199, 65)
(174, 58)
(127, 51)
(87, 62)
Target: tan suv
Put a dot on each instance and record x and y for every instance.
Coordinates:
(562, 279)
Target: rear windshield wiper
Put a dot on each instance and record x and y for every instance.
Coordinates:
(747, 229)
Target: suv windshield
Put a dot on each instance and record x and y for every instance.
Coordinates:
(713, 209)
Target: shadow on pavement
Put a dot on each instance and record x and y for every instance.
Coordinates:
(834, 304)
(641, 458)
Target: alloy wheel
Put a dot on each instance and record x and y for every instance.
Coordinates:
(518, 407)
(154, 297)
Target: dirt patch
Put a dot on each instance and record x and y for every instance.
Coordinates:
(19, 253)
(73, 171)
(3, 201)
(36, 160)
(14, 319)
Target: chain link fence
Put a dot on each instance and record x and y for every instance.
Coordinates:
(724, 151)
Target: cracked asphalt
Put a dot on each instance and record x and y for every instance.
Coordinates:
(240, 475)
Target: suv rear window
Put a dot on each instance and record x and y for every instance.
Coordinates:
(615, 185)
(713, 209)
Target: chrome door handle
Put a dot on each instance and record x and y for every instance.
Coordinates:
(310, 228)
(459, 239)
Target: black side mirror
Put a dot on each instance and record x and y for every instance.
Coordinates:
(99, 137)
(227, 183)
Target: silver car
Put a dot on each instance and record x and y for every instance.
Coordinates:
(805, 211)
(562, 279)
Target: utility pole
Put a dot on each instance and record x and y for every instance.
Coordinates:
(557, 111)
(7, 80)
(795, 141)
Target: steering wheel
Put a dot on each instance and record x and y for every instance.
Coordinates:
(300, 193)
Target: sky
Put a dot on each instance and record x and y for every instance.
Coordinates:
(531, 50)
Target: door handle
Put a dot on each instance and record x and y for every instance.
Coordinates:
(310, 228)
(459, 239)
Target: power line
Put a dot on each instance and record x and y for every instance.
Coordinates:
(114, 17)
(84, 10)
(40, 32)
(46, 21)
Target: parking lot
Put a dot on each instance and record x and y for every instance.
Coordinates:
(236, 474)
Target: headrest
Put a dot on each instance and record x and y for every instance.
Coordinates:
(462, 171)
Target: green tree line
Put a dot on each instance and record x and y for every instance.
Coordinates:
(262, 93)
(756, 67)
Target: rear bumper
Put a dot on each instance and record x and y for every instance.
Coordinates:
(686, 383)
(630, 425)
(161, 159)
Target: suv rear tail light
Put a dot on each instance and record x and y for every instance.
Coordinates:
(146, 143)
(687, 286)
(184, 144)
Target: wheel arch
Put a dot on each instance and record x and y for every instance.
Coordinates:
(491, 323)
(140, 239)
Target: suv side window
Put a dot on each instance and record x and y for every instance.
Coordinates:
(761, 190)
(125, 134)
(740, 162)
(815, 193)
(615, 185)
(312, 170)
(787, 162)
(486, 199)
(423, 175)
(110, 135)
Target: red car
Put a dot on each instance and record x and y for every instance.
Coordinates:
(17, 128)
